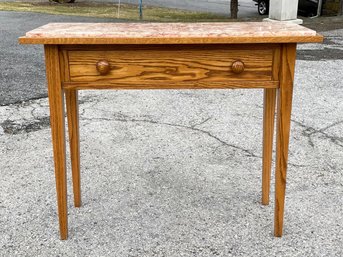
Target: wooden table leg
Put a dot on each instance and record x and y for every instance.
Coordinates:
(268, 134)
(284, 107)
(56, 101)
(73, 129)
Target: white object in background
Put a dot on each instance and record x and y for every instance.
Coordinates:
(283, 10)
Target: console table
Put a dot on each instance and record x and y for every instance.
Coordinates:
(257, 55)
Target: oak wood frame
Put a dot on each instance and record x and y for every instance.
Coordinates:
(280, 86)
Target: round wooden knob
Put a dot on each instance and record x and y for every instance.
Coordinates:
(103, 67)
(237, 67)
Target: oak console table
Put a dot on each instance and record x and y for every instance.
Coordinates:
(170, 56)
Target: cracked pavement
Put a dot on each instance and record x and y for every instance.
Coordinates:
(178, 173)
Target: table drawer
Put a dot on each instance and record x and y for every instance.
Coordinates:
(170, 64)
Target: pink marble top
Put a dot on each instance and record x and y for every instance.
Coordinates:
(140, 33)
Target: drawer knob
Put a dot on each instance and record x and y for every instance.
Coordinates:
(103, 67)
(237, 67)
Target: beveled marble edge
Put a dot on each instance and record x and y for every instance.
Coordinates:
(181, 33)
(99, 41)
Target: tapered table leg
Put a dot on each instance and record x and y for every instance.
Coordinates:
(56, 101)
(268, 134)
(73, 129)
(284, 107)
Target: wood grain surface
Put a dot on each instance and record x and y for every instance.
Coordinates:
(268, 134)
(73, 129)
(284, 107)
(232, 84)
(72, 106)
(268, 66)
(56, 102)
(269, 103)
(171, 64)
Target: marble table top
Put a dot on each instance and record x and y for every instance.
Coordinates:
(172, 33)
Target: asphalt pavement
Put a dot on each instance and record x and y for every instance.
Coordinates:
(23, 76)
(170, 173)
(247, 8)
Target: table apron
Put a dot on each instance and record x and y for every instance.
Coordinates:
(170, 67)
(171, 85)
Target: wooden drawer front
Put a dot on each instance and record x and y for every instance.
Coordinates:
(170, 64)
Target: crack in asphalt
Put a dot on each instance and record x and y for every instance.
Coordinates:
(124, 118)
(38, 123)
(20, 101)
(309, 131)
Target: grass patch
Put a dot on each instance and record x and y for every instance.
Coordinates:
(110, 10)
